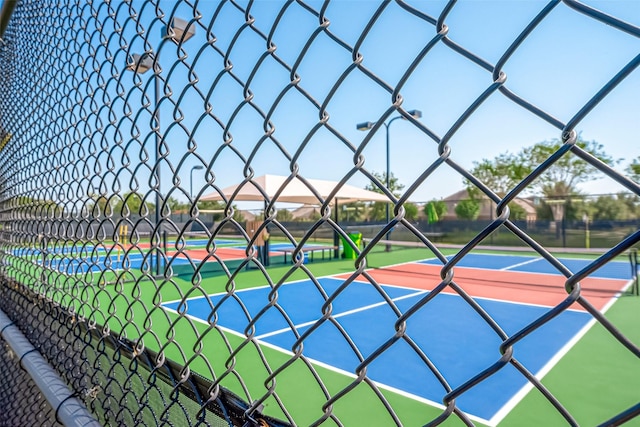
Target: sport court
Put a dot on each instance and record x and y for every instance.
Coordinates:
(513, 290)
(89, 258)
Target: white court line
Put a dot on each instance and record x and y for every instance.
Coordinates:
(498, 416)
(378, 384)
(330, 276)
(521, 264)
(331, 368)
(235, 291)
(344, 313)
(520, 395)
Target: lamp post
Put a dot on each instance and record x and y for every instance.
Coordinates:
(179, 32)
(416, 114)
(195, 168)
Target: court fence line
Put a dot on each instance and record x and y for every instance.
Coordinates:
(109, 107)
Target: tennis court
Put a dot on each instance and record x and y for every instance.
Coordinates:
(90, 258)
(513, 290)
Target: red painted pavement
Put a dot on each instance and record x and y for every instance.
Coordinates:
(528, 288)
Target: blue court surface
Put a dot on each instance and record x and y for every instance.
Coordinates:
(204, 242)
(71, 251)
(529, 264)
(88, 258)
(88, 249)
(451, 334)
(288, 246)
(98, 263)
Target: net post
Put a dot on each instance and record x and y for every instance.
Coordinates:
(366, 257)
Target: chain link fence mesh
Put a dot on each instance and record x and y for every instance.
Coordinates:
(107, 108)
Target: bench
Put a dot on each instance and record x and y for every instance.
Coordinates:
(306, 249)
(435, 236)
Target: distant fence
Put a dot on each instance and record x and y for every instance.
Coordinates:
(563, 234)
(108, 108)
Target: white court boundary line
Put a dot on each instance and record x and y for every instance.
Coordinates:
(331, 367)
(622, 265)
(502, 412)
(520, 395)
(531, 261)
(342, 314)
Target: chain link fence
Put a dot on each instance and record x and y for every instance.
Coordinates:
(117, 115)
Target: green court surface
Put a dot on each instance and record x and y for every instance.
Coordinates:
(598, 377)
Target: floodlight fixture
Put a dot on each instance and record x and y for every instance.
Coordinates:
(416, 114)
(365, 125)
(140, 63)
(179, 30)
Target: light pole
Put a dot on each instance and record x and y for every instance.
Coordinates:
(416, 114)
(195, 168)
(179, 32)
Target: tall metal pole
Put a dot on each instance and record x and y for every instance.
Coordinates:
(156, 117)
(387, 183)
(179, 31)
(191, 183)
(388, 179)
(416, 114)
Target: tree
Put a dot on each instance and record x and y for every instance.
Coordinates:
(560, 179)
(500, 174)
(410, 211)
(517, 212)
(633, 170)
(632, 201)
(238, 216)
(563, 176)
(176, 206)
(131, 204)
(213, 205)
(314, 216)
(468, 209)
(42, 208)
(378, 210)
(283, 215)
(99, 205)
(609, 207)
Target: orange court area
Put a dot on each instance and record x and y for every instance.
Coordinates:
(528, 288)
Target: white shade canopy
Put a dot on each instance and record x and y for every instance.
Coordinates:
(295, 191)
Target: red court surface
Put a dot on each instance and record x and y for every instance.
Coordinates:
(527, 288)
(224, 253)
(201, 254)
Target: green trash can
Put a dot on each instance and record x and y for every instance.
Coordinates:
(348, 252)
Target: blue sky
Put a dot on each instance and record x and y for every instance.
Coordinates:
(564, 62)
